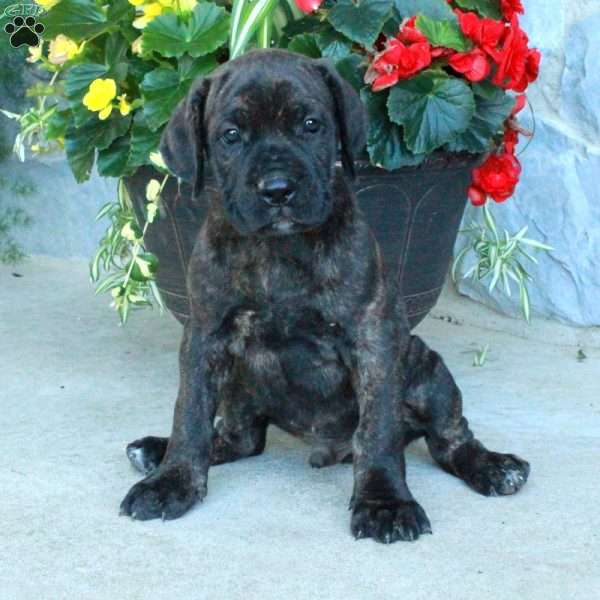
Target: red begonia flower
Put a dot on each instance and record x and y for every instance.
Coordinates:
(510, 8)
(518, 66)
(308, 6)
(397, 62)
(473, 65)
(497, 176)
(409, 34)
(476, 196)
(442, 52)
(532, 68)
(486, 33)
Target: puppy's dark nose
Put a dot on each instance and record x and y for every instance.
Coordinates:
(276, 190)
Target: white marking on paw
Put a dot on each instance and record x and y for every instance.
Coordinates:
(136, 455)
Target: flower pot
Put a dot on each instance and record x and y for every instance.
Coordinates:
(415, 213)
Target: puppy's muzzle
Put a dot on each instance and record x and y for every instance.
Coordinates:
(276, 190)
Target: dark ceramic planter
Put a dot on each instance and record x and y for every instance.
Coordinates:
(415, 213)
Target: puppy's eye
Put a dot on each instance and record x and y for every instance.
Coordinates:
(232, 136)
(312, 125)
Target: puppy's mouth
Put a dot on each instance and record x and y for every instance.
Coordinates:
(283, 223)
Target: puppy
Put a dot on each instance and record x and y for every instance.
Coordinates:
(293, 320)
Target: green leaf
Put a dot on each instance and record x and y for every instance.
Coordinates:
(163, 88)
(205, 30)
(143, 141)
(486, 8)
(307, 24)
(115, 50)
(119, 11)
(80, 142)
(190, 68)
(79, 154)
(490, 113)
(446, 34)
(77, 19)
(333, 45)
(56, 125)
(360, 20)
(434, 9)
(144, 267)
(432, 108)
(485, 89)
(305, 44)
(392, 25)
(128, 152)
(112, 161)
(352, 69)
(384, 141)
(77, 82)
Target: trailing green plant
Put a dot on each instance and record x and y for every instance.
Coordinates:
(499, 258)
(481, 355)
(128, 269)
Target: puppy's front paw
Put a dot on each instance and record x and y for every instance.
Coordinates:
(165, 494)
(389, 521)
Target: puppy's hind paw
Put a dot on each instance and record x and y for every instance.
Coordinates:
(499, 474)
(146, 454)
(388, 522)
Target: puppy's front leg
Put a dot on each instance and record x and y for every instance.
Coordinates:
(181, 477)
(382, 506)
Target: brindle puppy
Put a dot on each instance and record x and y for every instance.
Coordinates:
(293, 321)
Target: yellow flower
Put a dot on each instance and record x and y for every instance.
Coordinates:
(136, 46)
(105, 112)
(100, 96)
(47, 4)
(35, 53)
(136, 2)
(186, 6)
(166, 2)
(62, 49)
(124, 106)
(151, 11)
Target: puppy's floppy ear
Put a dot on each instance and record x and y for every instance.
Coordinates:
(183, 142)
(351, 115)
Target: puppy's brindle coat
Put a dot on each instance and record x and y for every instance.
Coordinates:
(293, 320)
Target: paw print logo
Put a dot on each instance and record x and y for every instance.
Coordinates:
(24, 31)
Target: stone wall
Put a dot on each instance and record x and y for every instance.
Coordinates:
(559, 194)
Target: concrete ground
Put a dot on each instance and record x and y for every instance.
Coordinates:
(75, 388)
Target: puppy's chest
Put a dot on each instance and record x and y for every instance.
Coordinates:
(274, 280)
(285, 345)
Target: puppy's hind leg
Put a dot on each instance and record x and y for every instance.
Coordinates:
(146, 454)
(434, 407)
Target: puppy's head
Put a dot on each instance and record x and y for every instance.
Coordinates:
(271, 123)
